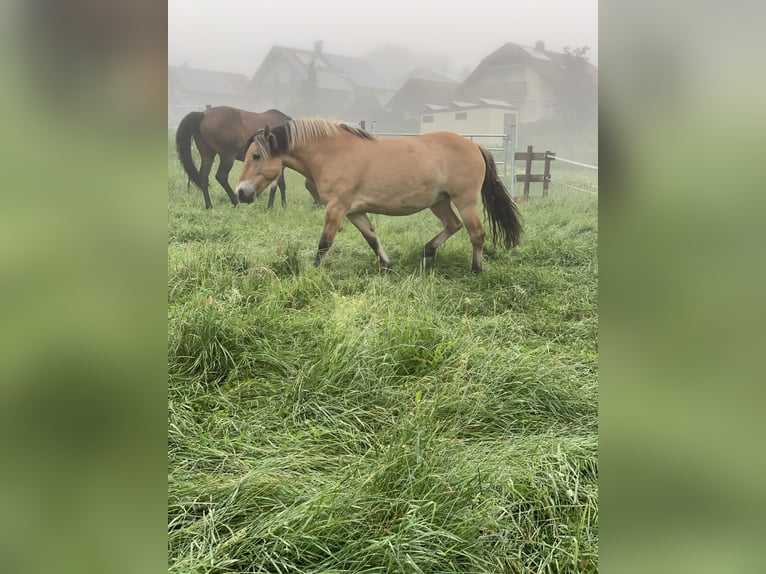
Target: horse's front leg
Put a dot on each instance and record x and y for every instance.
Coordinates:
(334, 214)
(272, 194)
(282, 186)
(363, 224)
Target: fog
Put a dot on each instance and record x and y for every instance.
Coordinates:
(236, 35)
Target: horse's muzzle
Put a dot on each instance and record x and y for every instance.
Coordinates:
(245, 194)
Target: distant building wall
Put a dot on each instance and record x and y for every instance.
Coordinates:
(480, 120)
(535, 97)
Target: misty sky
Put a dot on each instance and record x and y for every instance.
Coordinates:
(235, 35)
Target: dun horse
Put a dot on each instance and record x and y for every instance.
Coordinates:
(356, 173)
(223, 131)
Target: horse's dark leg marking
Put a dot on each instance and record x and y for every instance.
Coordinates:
(443, 210)
(312, 189)
(204, 174)
(333, 216)
(324, 246)
(282, 186)
(206, 163)
(363, 224)
(222, 177)
(279, 183)
(272, 194)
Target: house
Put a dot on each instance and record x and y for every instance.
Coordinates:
(526, 77)
(420, 73)
(402, 111)
(311, 82)
(191, 89)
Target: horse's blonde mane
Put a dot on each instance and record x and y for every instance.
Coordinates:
(301, 130)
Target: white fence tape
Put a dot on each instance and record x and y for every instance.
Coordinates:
(557, 158)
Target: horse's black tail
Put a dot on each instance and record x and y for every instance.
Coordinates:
(188, 127)
(501, 211)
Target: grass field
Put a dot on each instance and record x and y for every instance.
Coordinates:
(347, 420)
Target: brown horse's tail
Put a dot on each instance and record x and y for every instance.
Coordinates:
(188, 128)
(501, 211)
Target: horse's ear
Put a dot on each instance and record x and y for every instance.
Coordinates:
(270, 139)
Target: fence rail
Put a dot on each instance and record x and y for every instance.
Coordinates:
(577, 163)
(545, 178)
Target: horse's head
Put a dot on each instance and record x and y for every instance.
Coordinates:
(261, 166)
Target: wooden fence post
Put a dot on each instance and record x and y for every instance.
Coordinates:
(528, 177)
(549, 156)
(528, 172)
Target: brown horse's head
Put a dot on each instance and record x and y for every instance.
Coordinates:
(261, 166)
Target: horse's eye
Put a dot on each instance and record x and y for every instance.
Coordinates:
(256, 157)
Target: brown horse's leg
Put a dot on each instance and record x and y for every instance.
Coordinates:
(363, 224)
(442, 210)
(282, 186)
(272, 195)
(472, 224)
(206, 163)
(312, 189)
(280, 183)
(332, 218)
(222, 177)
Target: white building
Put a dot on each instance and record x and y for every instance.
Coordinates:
(479, 117)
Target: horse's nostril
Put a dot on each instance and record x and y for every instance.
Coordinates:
(244, 196)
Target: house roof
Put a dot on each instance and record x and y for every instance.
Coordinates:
(420, 74)
(464, 105)
(417, 91)
(333, 72)
(360, 72)
(547, 63)
(194, 80)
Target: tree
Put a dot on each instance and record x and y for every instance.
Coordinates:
(577, 93)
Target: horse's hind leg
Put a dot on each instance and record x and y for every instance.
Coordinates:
(222, 177)
(312, 189)
(363, 224)
(472, 224)
(442, 210)
(206, 163)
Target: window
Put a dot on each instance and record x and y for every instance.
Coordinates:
(428, 119)
(461, 115)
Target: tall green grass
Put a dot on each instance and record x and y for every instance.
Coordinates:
(347, 420)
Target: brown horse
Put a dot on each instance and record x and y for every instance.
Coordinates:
(356, 173)
(223, 131)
